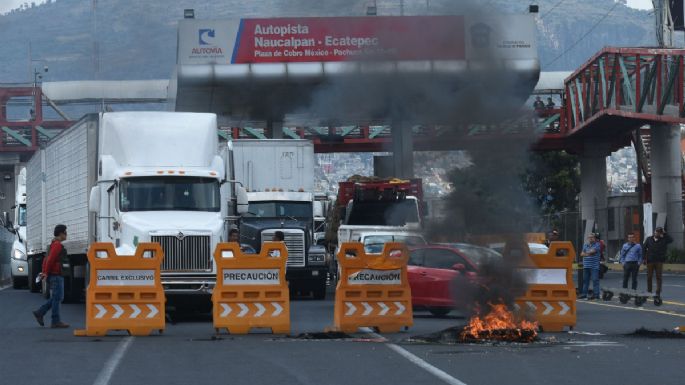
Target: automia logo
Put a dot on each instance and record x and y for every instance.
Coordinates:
(206, 36)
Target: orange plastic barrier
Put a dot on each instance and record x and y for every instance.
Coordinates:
(373, 290)
(124, 292)
(251, 290)
(551, 295)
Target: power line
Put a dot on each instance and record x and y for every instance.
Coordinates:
(552, 9)
(584, 36)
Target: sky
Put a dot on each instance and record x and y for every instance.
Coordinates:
(6, 5)
(640, 4)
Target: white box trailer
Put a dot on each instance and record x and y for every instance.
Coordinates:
(128, 178)
(279, 177)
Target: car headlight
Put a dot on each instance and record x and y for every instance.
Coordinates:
(18, 254)
(317, 258)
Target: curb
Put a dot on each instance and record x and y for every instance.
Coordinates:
(673, 268)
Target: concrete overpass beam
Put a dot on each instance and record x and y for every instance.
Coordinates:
(402, 150)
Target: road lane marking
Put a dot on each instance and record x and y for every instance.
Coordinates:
(416, 360)
(113, 362)
(636, 309)
(674, 303)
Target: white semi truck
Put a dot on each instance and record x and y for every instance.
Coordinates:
(279, 178)
(128, 178)
(17, 226)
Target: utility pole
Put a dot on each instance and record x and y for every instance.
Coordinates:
(664, 23)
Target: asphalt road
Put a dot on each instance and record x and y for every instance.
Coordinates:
(599, 350)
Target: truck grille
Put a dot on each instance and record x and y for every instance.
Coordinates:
(294, 241)
(192, 253)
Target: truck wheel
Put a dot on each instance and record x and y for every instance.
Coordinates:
(320, 291)
(17, 283)
(439, 311)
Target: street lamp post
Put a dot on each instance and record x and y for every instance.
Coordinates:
(37, 76)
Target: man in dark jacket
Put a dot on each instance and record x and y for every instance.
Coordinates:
(52, 271)
(655, 256)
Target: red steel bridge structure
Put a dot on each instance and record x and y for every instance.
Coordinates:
(609, 97)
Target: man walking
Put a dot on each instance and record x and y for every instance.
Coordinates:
(590, 254)
(631, 259)
(655, 256)
(52, 271)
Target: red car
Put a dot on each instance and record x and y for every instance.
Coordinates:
(431, 270)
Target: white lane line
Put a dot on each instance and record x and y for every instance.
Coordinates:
(113, 362)
(663, 312)
(417, 360)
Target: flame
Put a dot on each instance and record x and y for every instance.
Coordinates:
(499, 324)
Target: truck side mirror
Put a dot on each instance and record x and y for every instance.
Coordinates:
(424, 208)
(241, 201)
(94, 200)
(6, 221)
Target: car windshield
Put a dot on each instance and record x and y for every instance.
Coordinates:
(22, 215)
(374, 243)
(277, 209)
(383, 213)
(169, 193)
(477, 254)
(538, 248)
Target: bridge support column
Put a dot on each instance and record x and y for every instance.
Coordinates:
(667, 188)
(402, 150)
(593, 188)
(275, 129)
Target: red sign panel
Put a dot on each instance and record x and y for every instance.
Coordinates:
(349, 38)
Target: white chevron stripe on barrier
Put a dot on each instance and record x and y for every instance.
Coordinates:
(261, 309)
(136, 311)
(119, 312)
(278, 307)
(367, 309)
(384, 308)
(243, 310)
(227, 310)
(400, 308)
(153, 311)
(101, 311)
(351, 309)
(548, 308)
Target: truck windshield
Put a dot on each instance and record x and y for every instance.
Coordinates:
(383, 213)
(22, 215)
(277, 209)
(169, 193)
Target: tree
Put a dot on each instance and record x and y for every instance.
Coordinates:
(553, 180)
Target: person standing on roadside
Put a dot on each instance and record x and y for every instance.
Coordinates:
(590, 254)
(52, 271)
(655, 257)
(631, 259)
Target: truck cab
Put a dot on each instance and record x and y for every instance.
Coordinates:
(279, 178)
(16, 224)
